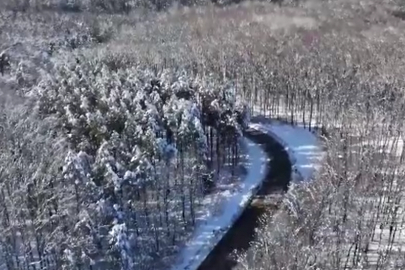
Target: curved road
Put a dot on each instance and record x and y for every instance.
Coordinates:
(242, 232)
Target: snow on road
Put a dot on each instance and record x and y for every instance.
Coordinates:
(305, 152)
(207, 235)
(303, 147)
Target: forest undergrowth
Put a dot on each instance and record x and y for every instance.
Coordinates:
(113, 125)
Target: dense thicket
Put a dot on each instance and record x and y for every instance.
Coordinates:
(101, 6)
(138, 150)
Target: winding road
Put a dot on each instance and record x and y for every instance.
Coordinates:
(242, 232)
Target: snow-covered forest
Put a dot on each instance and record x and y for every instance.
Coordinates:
(118, 118)
(126, 157)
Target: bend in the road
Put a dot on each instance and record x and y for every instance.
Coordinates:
(242, 232)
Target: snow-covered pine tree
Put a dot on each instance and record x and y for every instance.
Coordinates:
(150, 138)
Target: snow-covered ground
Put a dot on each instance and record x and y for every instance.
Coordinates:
(303, 147)
(305, 152)
(208, 234)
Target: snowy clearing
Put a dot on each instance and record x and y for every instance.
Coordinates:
(303, 147)
(207, 235)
